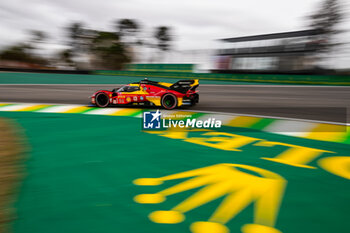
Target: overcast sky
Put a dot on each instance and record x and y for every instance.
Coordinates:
(196, 23)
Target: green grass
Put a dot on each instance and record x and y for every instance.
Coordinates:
(80, 172)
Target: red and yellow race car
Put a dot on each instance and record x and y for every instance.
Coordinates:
(148, 92)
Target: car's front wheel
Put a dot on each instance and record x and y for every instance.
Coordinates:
(169, 101)
(101, 100)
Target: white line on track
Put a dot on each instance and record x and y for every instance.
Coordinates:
(15, 107)
(61, 108)
(102, 111)
(290, 128)
(209, 112)
(274, 117)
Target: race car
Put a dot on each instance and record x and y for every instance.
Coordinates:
(147, 92)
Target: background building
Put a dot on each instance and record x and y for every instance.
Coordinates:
(287, 51)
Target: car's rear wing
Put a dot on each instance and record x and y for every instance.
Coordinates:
(183, 86)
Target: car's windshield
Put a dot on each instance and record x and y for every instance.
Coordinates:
(128, 89)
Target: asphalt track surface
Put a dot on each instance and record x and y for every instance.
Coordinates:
(321, 103)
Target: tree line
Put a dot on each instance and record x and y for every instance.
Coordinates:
(104, 49)
(113, 49)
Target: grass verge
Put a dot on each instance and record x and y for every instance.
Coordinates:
(11, 171)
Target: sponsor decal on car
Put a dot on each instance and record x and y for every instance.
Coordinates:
(128, 99)
(153, 97)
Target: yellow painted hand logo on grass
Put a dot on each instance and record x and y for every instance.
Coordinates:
(222, 180)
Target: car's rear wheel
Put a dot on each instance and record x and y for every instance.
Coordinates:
(102, 100)
(195, 99)
(169, 101)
